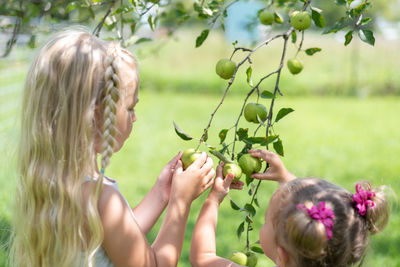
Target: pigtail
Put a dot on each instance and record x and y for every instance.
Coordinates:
(306, 235)
(377, 213)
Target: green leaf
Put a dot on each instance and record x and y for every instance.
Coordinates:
(142, 40)
(242, 133)
(278, 18)
(205, 137)
(340, 2)
(339, 24)
(256, 249)
(240, 230)
(150, 20)
(71, 6)
(248, 73)
(234, 205)
(249, 219)
(279, 147)
(365, 21)
(282, 113)
(317, 17)
(312, 51)
(32, 41)
(348, 37)
(249, 180)
(133, 28)
(367, 36)
(222, 135)
(267, 95)
(256, 202)
(220, 156)
(294, 37)
(181, 133)
(250, 209)
(202, 37)
(260, 140)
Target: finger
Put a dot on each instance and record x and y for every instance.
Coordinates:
(219, 169)
(209, 176)
(199, 162)
(178, 167)
(263, 154)
(262, 176)
(172, 163)
(236, 186)
(228, 180)
(208, 165)
(238, 183)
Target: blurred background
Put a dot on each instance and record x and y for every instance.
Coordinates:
(345, 127)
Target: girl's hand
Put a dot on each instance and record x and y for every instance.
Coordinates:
(276, 171)
(221, 186)
(189, 184)
(164, 179)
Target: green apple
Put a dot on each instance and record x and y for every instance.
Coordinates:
(300, 20)
(225, 68)
(232, 168)
(266, 17)
(189, 156)
(252, 260)
(294, 65)
(249, 164)
(251, 110)
(238, 258)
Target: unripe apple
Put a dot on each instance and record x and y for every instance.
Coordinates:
(249, 164)
(238, 258)
(251, 110)
(294, 65)
(252, 260)
(225, 68)
(232, 168)
(189, 156)
(266, 17)
(300, 20)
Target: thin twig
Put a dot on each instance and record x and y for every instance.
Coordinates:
(231, 81)
(99, 26)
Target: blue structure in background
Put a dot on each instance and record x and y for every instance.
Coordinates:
(240, 14)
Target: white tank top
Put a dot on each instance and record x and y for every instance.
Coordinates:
(101, 258)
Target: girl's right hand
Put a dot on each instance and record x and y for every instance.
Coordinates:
(188, 184)
(276, 171)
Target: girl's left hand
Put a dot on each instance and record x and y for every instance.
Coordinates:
(222, 185)
(165, 178)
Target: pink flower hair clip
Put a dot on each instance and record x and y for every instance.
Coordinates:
(322, 214)
(363, 199)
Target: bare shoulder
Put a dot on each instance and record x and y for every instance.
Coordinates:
(124, 242)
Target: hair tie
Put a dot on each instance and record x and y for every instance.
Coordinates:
(363, 199)
(322, 214)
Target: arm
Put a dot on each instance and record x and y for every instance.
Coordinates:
(125, 243)
(153, 204)
(203, 247)
(276, 171)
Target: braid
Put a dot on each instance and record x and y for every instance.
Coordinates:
(109, 105)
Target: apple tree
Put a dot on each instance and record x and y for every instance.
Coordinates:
(289, 19)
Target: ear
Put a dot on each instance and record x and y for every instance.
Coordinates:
(283, 257)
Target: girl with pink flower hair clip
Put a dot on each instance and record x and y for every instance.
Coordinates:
(309, 222)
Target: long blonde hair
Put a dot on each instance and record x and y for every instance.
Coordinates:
(73, 74)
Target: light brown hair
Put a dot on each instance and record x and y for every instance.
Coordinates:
(306, 239)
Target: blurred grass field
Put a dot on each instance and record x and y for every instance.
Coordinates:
(342, 139)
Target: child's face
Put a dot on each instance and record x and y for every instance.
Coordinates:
(267, 232)
(126, 116)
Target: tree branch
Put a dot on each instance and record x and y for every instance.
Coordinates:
(99, 26)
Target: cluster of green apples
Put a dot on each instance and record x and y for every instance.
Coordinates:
(242, 259)
(246, 164)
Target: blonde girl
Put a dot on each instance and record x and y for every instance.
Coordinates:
(308, 223)
(79, 102)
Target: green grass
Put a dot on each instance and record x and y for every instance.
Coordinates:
(341, 139)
